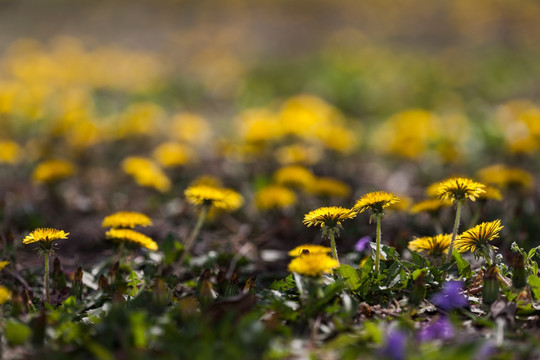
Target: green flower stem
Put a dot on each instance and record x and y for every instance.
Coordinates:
(454, 232)
(378, 251)
(47, 277)
(333, 245)
(194, 233)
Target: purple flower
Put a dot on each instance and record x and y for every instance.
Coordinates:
(450, 297)
(440, 329)
(362, 243)
(394, 348)
(486, 351)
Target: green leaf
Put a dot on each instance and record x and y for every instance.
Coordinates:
(350, 275)
(16, 332)
(534, 281)
(463, 266)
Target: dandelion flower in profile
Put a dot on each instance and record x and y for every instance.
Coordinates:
(376, 202)
(126, 219)
(219, 198)
(431, 206)
(5, 295)
(45, 238)
(434, 246)
(294, 175)
(45, 235)
(330, 217)
(477, 239)
(53, 170)
(506, 177)
(313, 265)
(460, 189)
(274, 197)
(310, 248)
(132, 236)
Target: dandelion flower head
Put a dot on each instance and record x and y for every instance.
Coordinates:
(478, 236)
(45, 235)
(126, 219)
(433, 245)
(5, 294)
(215, 197)
(171, 154)
(376, 202)
(460, 189)
(53, 170)
(506, 177)
(132, 236)
(313, 265)
(10, 152)
(294, 175)
(331, 216)
(146, 173)
(311, 249)
(3, 264)
(274, 197)
(430, 206)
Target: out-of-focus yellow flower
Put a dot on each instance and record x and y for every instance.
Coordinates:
(83, 134)
(53, 170)
(520, 126)
(294, 175)
(326, 186)
(5, 295)
(310, 248)
(491, 193)
(172, 154)
(259, 126)
(274, 197)
(330, 216)
(298, 154)
(10, 152)
(403, 204)
(219, 198)
(478, 237)
(431, 206)
(139, 119)
(191, 128)
(337, 138)
(301, 115)
(45, 235)
(434, 246)
(3, 264)
(132, 236)
(460, 189)
(126, 219)
(313, 265)
(146, 173)
(207, 180)
(506, 177)
(376, 202)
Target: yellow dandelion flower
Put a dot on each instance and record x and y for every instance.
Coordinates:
(460, 189)
(259, 126)
(311, 249)
(376, 202)
(146, 173)
(219, 198)
(5, 294)
(10, 152)
(132, 236)
(313, 265)
(506, 177)
(191, 128)
(325, 186)
(331, 216)
(45, 235)
(172, 154)
(491, 193)
(298, 154)
(478, 237)
(430, 206)
(294, 175)
(126, 219)
(3, 264)
(52, 170)
(403, 204)
(433, 245)
(274, 197)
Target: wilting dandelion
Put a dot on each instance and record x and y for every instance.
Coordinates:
(329, 219)
(376, 202)
(477, 239)
(45, 238)
(458, 190)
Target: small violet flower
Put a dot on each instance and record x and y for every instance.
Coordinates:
(451, 296)
(441, 329)
(394, 347)
(362, 243)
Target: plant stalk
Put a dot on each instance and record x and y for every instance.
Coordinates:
(194, 233)
(378, 251)
(47, 278)
(333, 245)
(454, 232)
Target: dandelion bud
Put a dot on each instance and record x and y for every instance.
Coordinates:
(490, 291)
